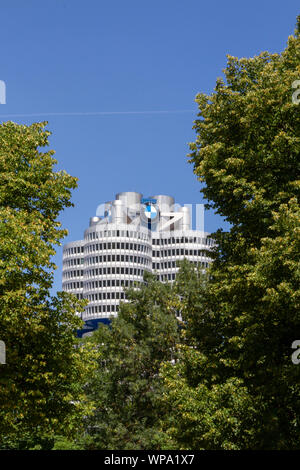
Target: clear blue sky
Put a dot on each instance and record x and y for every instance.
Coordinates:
(70, 56)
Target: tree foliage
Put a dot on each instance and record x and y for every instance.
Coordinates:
(126, 387)
(41, 383)
(235, 385)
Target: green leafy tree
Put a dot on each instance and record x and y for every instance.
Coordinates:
(126, 387)
(41, 382)
(235, 385)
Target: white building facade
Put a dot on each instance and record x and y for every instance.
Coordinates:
(132, 235)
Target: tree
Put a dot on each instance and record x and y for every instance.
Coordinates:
(126, 387)
(235, 385)
(41, 383)
(247, 144)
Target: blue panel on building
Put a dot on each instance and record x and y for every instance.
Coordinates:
(148, 201)
(92, 325)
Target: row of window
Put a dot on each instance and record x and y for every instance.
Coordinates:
(70, 274)
(110, 283)
(133, 246)
(106, 296)
(155, 254)
(116, 270)
(173, 240)
(73, 262)
(173, 264)
(119, 270)
(102, 283)
(101, 309)
(178, 252)
(117, 233)
(74, 250)
(105, 258)
(118, 246)
(131, 271)
(73, 285)
(125, 258)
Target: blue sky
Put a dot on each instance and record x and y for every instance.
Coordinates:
(61, 57)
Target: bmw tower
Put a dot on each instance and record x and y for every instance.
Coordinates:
(132, 235)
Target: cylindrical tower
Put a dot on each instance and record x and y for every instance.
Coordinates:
(129, 198)
(117, 249)
(115, 257)
(118, 212)
(94, 220)
(165, 203)
(185, 222)
(73, 268)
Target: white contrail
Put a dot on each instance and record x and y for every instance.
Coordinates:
(99, 113)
